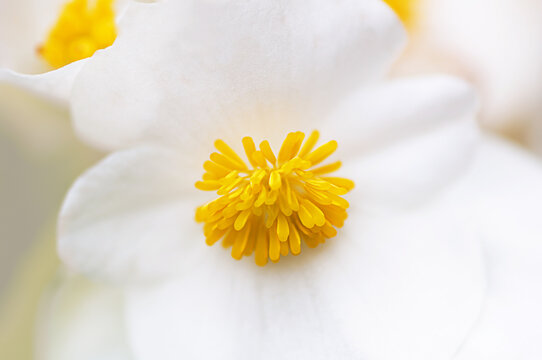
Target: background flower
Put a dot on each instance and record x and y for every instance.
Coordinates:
(497, 45)
(33, 95)
(39, 158)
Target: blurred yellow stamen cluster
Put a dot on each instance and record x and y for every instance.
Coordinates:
(279, 202)
(80, 30)
(404, 9)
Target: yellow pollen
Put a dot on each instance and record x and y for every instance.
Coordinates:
(79, 31)
(405, 9)
(276, 204)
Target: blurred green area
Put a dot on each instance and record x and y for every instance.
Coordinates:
(21, 298)
(40, 158)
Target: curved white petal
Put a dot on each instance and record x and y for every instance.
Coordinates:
(505, 192)
(54, 86)
(405, 287)
(81, 320)
(131, 216)
(190, 71)
(404, 140)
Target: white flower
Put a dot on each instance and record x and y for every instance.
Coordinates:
(497, 44)
(37, 69)
(406, 277)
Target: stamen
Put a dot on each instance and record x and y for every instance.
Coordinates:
(278, 204)
(79, 32)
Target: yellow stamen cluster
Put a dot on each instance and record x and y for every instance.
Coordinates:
(276, 205)
(79, 31)
(405, 9)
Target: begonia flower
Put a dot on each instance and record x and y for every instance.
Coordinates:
(440, 237)
(43, 45)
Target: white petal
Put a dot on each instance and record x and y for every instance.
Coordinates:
(403, 141)
(131, 217)
(54, 86)
(506, 194)
(416, 284)
(405, 287)
(190, 71)
(81, 320)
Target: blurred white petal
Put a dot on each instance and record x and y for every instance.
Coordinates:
(497, 44)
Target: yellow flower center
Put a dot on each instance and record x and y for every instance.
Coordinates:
(404, 9)
(79, 31)
(278, 203)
